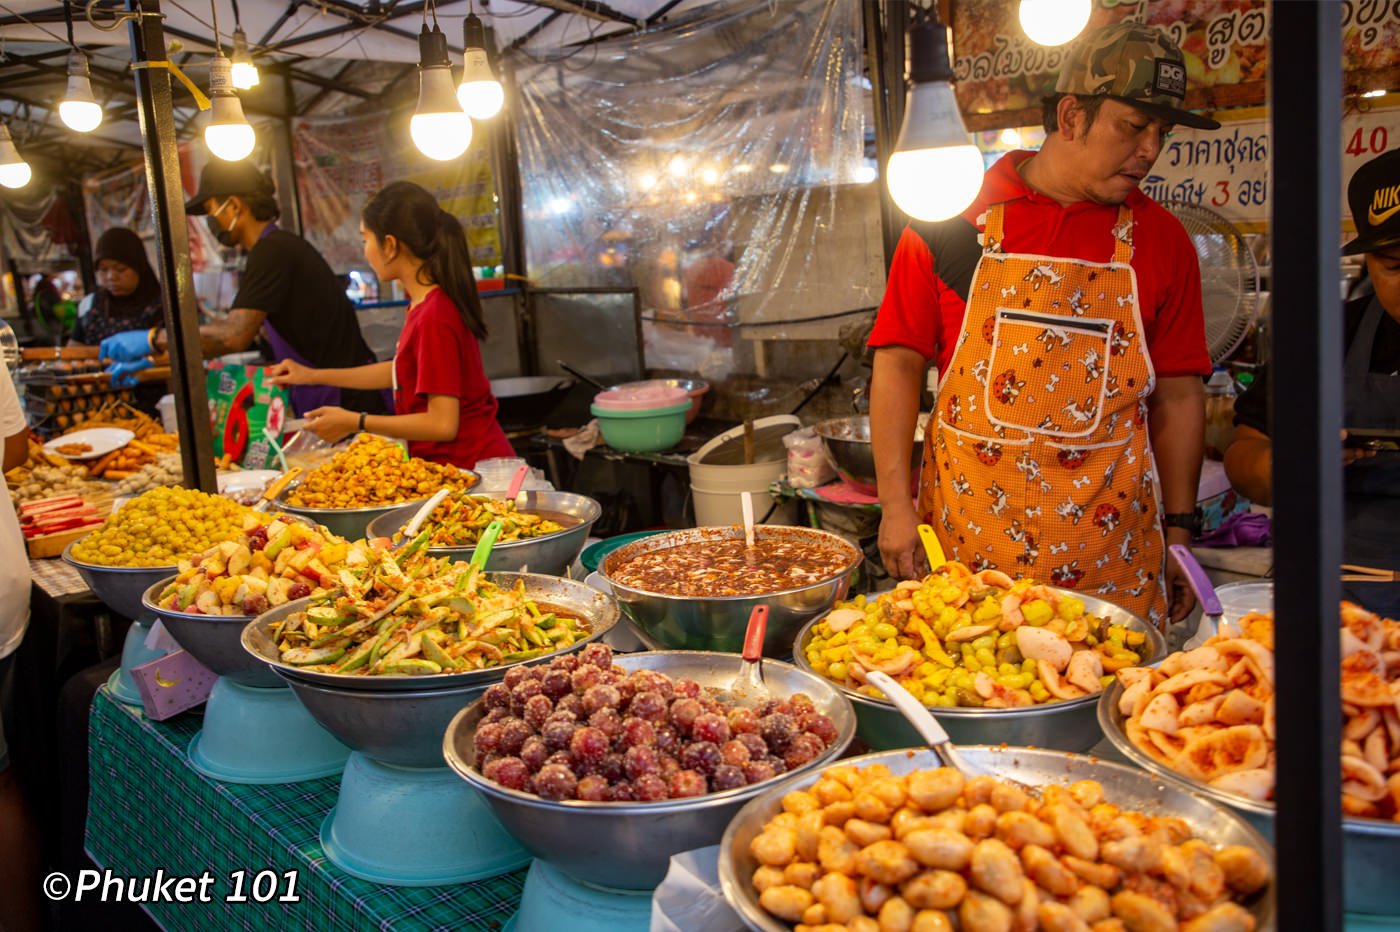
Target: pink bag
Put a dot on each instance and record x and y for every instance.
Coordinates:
(171, 684)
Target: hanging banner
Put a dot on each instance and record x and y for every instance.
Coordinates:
(342, 161)
(997, 68)
(1227, 169)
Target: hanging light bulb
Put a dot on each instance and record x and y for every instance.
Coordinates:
(1054, 22)
(228, 135)
(78, 109)
(440, 127)
(935, 171)
(245, 73)
(480, 94)
(14, 170)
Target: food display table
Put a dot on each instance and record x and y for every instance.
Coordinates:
(150, 811)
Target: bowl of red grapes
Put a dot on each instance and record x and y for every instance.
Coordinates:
(605, 766)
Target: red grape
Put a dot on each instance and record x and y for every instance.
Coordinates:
(537, 711)
(701, 756)
(778, 730)
(727, 777)
(588, 744)
(534, 752)
(568, 663)
(770, 707)
(756, 771)
(804, 748)
(641, 760)
(299, 590)
(743, 721)
(487, 738)
(601, 697)
(649, 787)
(735, 752)
(648, 705)
(710, 727)
(686, 783)
(496, 715)
(521, 694)
(758, 748)
(571, 704)
(513, 735)
(584, 678)
(613, 767)
(823, 727)
(558, 732)
(801, 701)
(683, 714)
(497, 696)
(513, 677)
(636, 732)
(624, 792)
(555, 684)
(607, 721)
(687, 689)
(560, 758)
(555, 782)
(594, 789)
(597, 654)
(668, 766)
(667, 738)
(509, 772)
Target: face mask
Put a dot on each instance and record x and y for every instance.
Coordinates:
(225, 237)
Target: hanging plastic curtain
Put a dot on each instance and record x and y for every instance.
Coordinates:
(717, 163)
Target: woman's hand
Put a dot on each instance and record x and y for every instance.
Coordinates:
(291, 372)
(331, 423)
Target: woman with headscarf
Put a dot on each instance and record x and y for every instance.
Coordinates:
(128, 292)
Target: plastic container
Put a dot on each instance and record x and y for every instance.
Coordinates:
(1220, 413)
(718, 473)
(645, 431)
(641, 397)
(166, 408)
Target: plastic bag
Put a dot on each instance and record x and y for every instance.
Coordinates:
(305, 449)
(808, 466)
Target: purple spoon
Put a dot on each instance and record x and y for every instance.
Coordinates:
(1212, 612)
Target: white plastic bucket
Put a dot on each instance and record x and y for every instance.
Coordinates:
(716, 487)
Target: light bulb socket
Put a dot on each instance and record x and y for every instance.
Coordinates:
(432, 49)
(928, 52)
(473, 32)
(79, 81)
(221, 77)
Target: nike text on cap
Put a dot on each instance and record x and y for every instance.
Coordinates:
(1374, 195)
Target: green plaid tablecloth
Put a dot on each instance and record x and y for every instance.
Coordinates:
(148, 810)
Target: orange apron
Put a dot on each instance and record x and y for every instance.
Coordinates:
(1041, 464)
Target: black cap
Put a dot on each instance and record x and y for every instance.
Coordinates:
(226, 179)
(1374, 195)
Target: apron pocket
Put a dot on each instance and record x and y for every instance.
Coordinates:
(1048, 373)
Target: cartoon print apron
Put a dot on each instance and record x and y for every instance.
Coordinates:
(1041, 464)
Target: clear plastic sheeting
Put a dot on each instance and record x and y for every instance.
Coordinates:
(717, 165)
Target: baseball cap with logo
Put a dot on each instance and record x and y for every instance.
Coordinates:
(1374, 195)
(1137, 64)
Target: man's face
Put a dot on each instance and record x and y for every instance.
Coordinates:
(1384, 269)
(1114, 154)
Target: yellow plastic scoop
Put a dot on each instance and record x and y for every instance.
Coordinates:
(932, 548)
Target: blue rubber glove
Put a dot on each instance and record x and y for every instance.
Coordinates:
(123, 374)
(128, 346)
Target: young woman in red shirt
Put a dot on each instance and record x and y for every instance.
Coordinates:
(443, 404)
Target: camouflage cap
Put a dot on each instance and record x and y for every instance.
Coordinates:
(1137, 64)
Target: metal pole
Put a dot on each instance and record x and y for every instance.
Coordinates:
(172, 244)
(1306, 77)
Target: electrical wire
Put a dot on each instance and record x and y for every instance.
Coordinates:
(214, 9)
(29, 22)
(68, 21)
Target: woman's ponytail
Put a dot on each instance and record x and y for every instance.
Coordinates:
(412, 216)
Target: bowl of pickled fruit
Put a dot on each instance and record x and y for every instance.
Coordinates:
(997, 660)
(541, 531)
(606, 766)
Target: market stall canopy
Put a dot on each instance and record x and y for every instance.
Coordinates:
(332, 55)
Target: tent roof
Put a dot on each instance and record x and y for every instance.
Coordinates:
(316, 56)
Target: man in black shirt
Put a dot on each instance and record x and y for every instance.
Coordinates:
(1372, 382)
(287, 291)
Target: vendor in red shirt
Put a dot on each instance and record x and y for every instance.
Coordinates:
(443, 404)
(1063, 310)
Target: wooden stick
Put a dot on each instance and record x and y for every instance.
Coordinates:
(748, 443)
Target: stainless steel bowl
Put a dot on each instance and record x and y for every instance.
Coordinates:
(628, 846)
(847, 442)
(598, 608)
(213, 640)
(1067, 725)
(1123, 786)
(349, 523)
(1370, 847)
(119, 587)
(674, 622)
(551, 554)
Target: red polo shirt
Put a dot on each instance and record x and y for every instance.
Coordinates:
(921, 312)
(438, 355)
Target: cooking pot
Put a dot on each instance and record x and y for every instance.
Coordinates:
(526, 401)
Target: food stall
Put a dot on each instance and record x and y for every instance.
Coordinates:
(397, 691)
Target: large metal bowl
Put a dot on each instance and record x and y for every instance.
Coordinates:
(1066, 725)
(847, 442)
(350, 523)
(598, 608)
(213, 640)
(628, 846)
(1123, 786)
(673, 622)
(551, 554)
(1370, 847)
(119, 587)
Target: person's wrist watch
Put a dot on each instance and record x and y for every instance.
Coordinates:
(1188, 520)
(362, 420)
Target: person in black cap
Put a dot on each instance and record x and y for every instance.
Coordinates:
(1371, 389)
(128, 292)
(286, 291)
